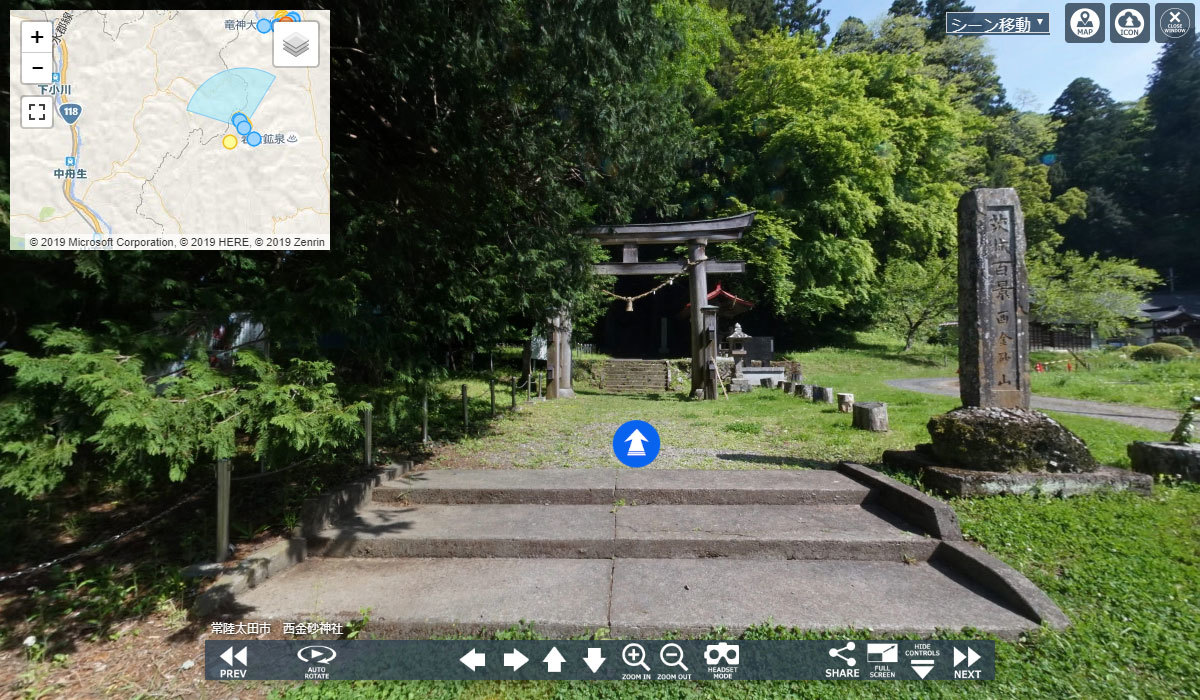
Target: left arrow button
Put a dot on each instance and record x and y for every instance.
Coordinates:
(474, 659)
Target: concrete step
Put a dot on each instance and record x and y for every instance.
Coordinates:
(852, 532)
(413, 598)
(608, 486)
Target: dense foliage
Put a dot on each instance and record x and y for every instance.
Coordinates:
(469, 154)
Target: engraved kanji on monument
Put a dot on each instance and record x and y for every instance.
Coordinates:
(993, 300)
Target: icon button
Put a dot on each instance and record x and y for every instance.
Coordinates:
(672, 655)
(296, 44)
(883, 652)
(515, 659)
(970, 657)
(37, 68)
(594, 659)
(922, 667)
(36, 36)
(1129, 22)
(634, 655)
(1174, 21)
(1085, 22)
(722, 653)
(636, 443)
(850, 660)
(229, 656)
(554, 661)
(474, 659)
(37, 112)
(316, 654)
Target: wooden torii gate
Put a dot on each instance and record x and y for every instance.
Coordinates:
(697, 235)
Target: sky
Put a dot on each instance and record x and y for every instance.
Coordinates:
(1036, 69)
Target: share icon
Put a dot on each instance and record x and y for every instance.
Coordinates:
(850, 660)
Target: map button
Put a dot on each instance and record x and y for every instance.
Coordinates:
(296, 44)
(36, 68)
(36, 36)
(37, 112)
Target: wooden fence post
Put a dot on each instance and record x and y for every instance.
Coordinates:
(466, 409)
(425, 417)
(512, 383)
(368, 458)
(224, 472)
(492, 386)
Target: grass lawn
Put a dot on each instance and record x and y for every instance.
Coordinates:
(1114, 378)
(1125, 569)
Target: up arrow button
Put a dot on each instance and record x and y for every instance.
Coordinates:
(554, 661)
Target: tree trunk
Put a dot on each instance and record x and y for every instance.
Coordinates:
(871, 415)
(845, 402)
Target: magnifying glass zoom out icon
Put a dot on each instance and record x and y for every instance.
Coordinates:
(676, 653)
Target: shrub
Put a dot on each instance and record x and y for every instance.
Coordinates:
(1159, 352)
(1181, 340)
(744, 427)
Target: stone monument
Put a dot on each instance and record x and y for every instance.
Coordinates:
(993, 300)
(994, 443)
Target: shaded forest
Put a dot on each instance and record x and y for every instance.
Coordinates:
(473, 139)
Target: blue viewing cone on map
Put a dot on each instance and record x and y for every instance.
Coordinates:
(636, 443)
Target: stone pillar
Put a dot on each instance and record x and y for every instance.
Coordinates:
(709, 351)
(699, 294)
(993, 300)
(558, 358)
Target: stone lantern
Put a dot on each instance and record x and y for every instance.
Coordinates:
(737, 349)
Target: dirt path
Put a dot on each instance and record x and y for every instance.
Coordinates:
(1153, 418)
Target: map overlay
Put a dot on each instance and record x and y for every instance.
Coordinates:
(169, 130)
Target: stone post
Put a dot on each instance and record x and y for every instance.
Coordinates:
(224, 476)
(993, 300)
(708, 350)
(699, 299)
(558, 358)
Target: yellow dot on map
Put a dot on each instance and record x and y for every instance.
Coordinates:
(280, 13)
(230, 141)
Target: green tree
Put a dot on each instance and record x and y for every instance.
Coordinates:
(798, 16)
(1068, 288)
(917, 296)
(853, 35)
(1018, 146)
(906, 7)
(1173, 210)
(936, 11)
(858, 155)
(1100, 150)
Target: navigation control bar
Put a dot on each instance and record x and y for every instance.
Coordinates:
(649, 659)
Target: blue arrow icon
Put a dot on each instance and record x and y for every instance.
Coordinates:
(70, 111)
(636, 443)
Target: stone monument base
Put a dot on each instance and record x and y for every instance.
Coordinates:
(970, 482)
(1171, 458)
(1006, 440)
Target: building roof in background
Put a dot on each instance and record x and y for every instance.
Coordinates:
(1190, 302)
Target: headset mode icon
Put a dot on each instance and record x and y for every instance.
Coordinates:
(729, 654)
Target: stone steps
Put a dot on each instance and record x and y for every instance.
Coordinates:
(633, 598)
(634, 376)
(645, 552)
(630, 486)
(652, 531)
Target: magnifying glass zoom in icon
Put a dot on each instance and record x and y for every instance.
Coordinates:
(634, 655)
